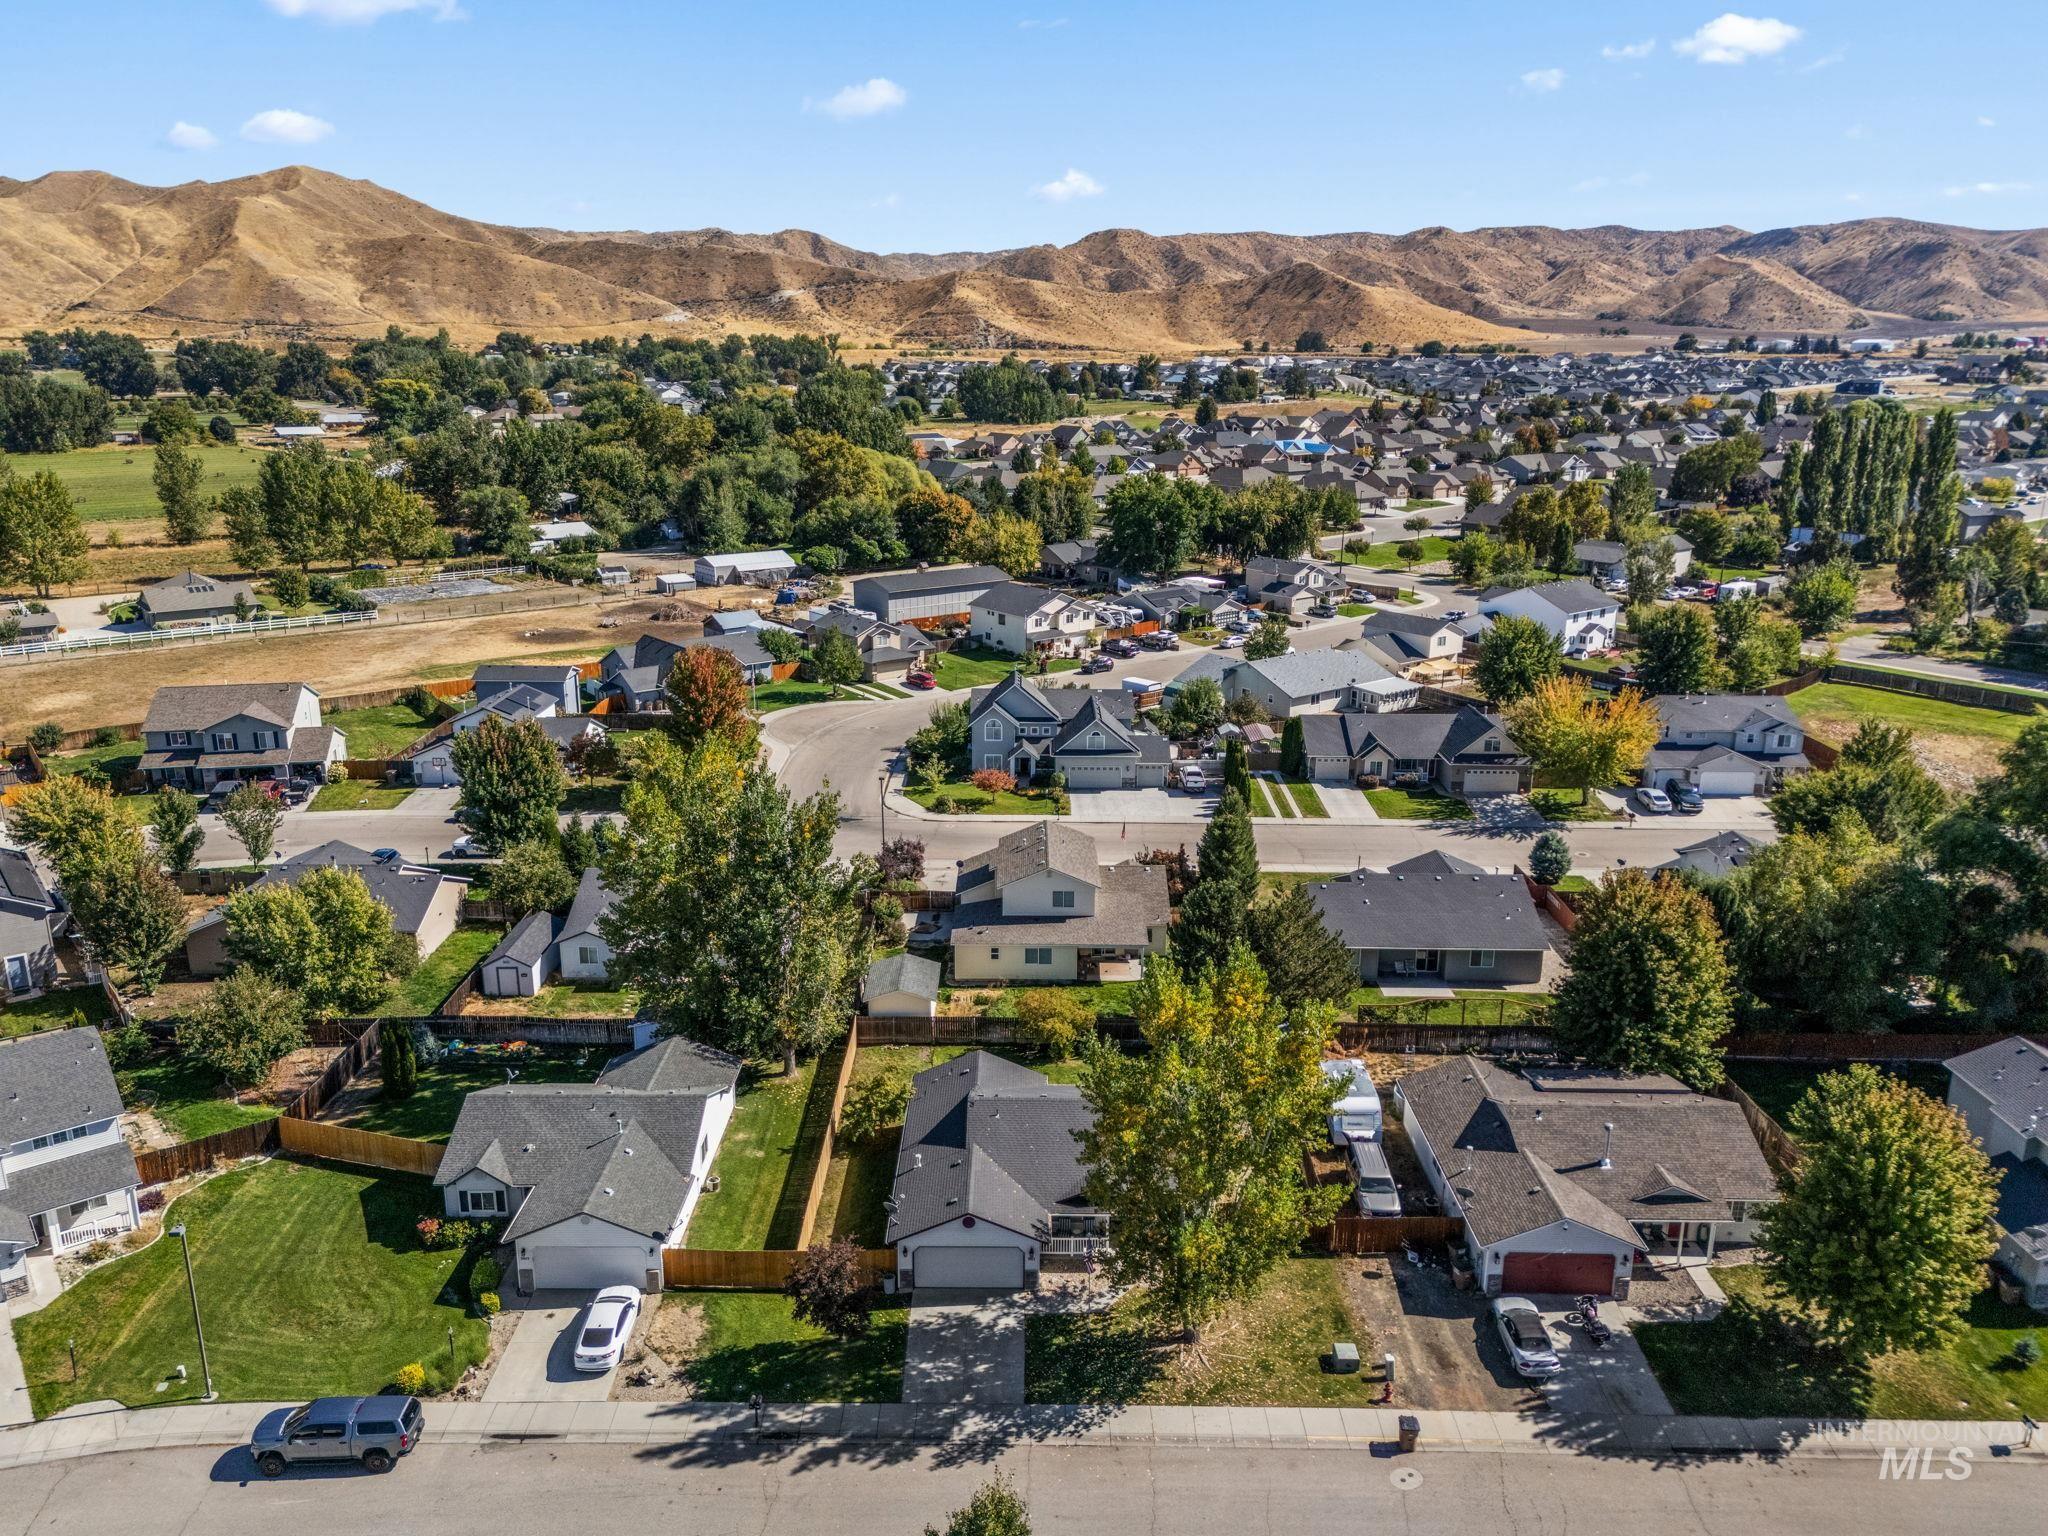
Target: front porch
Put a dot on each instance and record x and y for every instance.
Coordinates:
(1691, 1242)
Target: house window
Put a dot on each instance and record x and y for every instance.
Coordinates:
(1095, 741)
(1491, 744)
(223, 741)
(1482, 959)
(993, 731)
(179, 738)
(1002, 621)
(483, 1202)
(1038, 957)
(995, 954)
(586, 954)
(1062, 898)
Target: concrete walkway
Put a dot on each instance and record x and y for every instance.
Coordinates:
(1652, 1438)
(968, 1349)
(14, 1407)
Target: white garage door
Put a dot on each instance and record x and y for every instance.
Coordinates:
(1095, 776)
(1727, 783)
(968, 1269)
(435, 773)
(589, 1269)
(1492, 781)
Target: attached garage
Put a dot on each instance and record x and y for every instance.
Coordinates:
(1095, 776)
(1721, 782)
(1561, 1274)
(588, 1267)
(1492, 781)
(969, 1269)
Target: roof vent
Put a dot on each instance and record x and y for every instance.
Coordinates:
(917, 1159)
(1607, 1151)
(607, 1190)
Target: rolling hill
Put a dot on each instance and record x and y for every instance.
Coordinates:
(302, 251)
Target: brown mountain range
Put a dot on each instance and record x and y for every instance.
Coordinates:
(300, 250)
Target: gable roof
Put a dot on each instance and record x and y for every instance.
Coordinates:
(194, 707)
(193, 592)
(1411, 734)
(1307, 673)
(1564, 596)
(1044, 845)
(20, 885)
(2012, 1075)
(1018, 599)
(53, 1081)
(593, 900)
(1432, 901)
(1724, 712)
(407, 891)
(943, 578)
(903, 972)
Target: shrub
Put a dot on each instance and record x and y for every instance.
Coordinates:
(874, 1104)
(2026, 1351)
(150, 1200)
(420, 702)
(124, 1046)
(1550, 858)
(946, 805)
(484, 1276)
(429, 1229)
(46, 737)
(411, 1380)
(106, 736)
(488, 1303)
(993, 781)
(830, 1288)
(290, 588)
(1054, 1020)
(97, 1253)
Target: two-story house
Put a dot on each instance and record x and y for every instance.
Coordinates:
(888, 652)
(66, 1177)
(593, 1183)
(32, 920)
(1040, 906)
(1582, 617)
(1411, 645)
(561, 682)
(1089, 734)
(635, 674)
(1726, 743)
(432, 757)
(1291, 586)
(1022, 620)
(2001, 1091)
(196, 736)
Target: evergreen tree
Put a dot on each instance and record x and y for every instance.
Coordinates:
(1293, 748)
(399, 1059)
(1550, 857)
(1213, 914)
(1304, 962)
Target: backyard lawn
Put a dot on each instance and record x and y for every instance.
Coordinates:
(114, 485)
(116, 760)
(1845, 706)
(1112, 997)
(754, 1165)
(581, 1000)
(311, 1281)
(189, 1099)
(429, 1115)
(1778, 1085)
(421, 992)
(382, 731)
(1417, 805)
(1266, 1351)
(976, 666)
(752, 1343)
(358, 795)
(1753, 1361)
(53, 1010)
(1474, 1007)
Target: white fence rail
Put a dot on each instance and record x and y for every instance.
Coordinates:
(83, 644)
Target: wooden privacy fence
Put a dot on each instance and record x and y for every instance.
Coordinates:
(345, 1144)
(968, 1029)
(849, 1048)
(1973, 694)
(767, 1270)
(1554, 906)
(1376, 1033)
(1848, 1048)
(1780, 1150)
(1385, 1234)
(159, 1165)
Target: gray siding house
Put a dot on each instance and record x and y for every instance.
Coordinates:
(32, 920)
(1437, 917)
(192, 598)
(195, 737)
(1088, 734)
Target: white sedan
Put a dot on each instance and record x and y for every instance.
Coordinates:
(606, 1328)
(1653, 800)
(1525, 1337)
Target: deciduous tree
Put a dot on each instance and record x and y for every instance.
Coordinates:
(187, 514)
(42, 543)
(243, 1027)
(252, 816)
(512, 781)
(706, 692)
(1515, 657)
(830, 1287)
(174, 823)
(1579, 740)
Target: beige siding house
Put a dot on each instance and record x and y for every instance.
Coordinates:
(1041, 907)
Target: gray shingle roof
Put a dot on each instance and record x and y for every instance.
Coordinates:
(528, 941)
(1045, 845)
(2013, 1075)
(1016, 598)
(1130, 900)
(1565, 596)
(1431, 902)
(1524, 1151)
(65, 1181)
(1307, 673)
(672, 1065)
(192, 592)
(406, 890)
(945, 578)
(908, 973)
(1419, 735)
(1722, 711)
(987, 1138)
(593, 901)
(51, 1082)
(195, 707)
(19, 882)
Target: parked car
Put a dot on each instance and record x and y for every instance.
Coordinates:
(1376, 1194)
(1653, 800)
(1123, 648)
(1097, 663)
(1232, 642)
(920, 680)
(1525, 1337)
(1193, 780)
(470, 846)
(1160, 640)
(371, 1431)
(1687, 800)
(606, 1328)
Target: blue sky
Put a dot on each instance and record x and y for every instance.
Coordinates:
(971, 125)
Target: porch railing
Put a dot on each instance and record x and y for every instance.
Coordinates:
(88, 1232)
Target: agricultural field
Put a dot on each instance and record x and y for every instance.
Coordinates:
(112, 485)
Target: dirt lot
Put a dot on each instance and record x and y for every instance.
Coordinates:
(116, 689)
(1444, 1350)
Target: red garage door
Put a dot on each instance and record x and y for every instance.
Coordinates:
(1562, 1274)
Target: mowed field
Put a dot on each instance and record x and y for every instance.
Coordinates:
(113, 485)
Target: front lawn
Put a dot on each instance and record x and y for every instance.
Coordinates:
(1307, 802)
(1267, 1351)
(358, 795)
(1353, 610)
(189, 1099)
(421, 993)
(429, 1115)
(311, 1283)
(54, 1010)
(754, 1165)
(1753, 1361)
(382, 731)
(977, 666)
(1417, 805)
(979, 802)
(769, 697)
(1565, 805)
(1260, 804)
(752, 1343)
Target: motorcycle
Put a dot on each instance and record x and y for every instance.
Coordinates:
(1598, 1332)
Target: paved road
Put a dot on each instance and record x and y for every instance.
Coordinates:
(418, 827)
(883, 1489)
(1869, 650)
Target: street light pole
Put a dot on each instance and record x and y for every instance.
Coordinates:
(883, 785)
(192, 1289)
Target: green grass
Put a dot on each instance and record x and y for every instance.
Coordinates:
(1564, 805)
(582, 1000)
(1753, 1360)
(1261, 806)
(1353, 610)
(754, 1163)
(1474, 1006)
(979, 802)
(114, 485)
(311, 1283)
(769, 697)
(1852, 705)
(383, 731)
(191, 1100)
(1307, 802)
(977, 666)
(1266, 1351)
(53, 1010)
(1112, 997)
(116, 760)
(429, 1115)
(1387, 556)
(1778, 1085)
(358, 795)
(1417, 805)
(752, 1343)
(421, 992)
(1575, 883)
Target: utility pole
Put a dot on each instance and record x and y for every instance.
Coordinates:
(192, 1289)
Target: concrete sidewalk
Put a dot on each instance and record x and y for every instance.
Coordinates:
(87, 1432)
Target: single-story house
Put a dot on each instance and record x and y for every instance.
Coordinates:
(1563, 1176)
(594, 1183)
(547, 536)
(30, 626)
(989, 1181)
(424, 904)
(1577, 613)
(67, 1178)
(1040, 906)
(1607, 559)
(1319, 683)
(1721, 854)
(2001, 1090)
(1435, 916)
(431, 759)
(192, 598)
(635, 674)
(901, 986)
(1465, 751)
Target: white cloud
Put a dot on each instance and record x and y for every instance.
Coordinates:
(1543, 79)
(1734, 39)
(1987, 122)
(1640, 50)
(1825, 61)
(362, 12)
(1070, 186)
(184, 135)
(281, 125)
(869, 99)
(1987, 189)
(1856, 131)
(888, 200)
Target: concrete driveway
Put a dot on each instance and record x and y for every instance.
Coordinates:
(1598, 1384)
(965, 1347)
(536, 1366)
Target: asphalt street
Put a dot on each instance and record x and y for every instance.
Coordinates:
(885, 1489)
